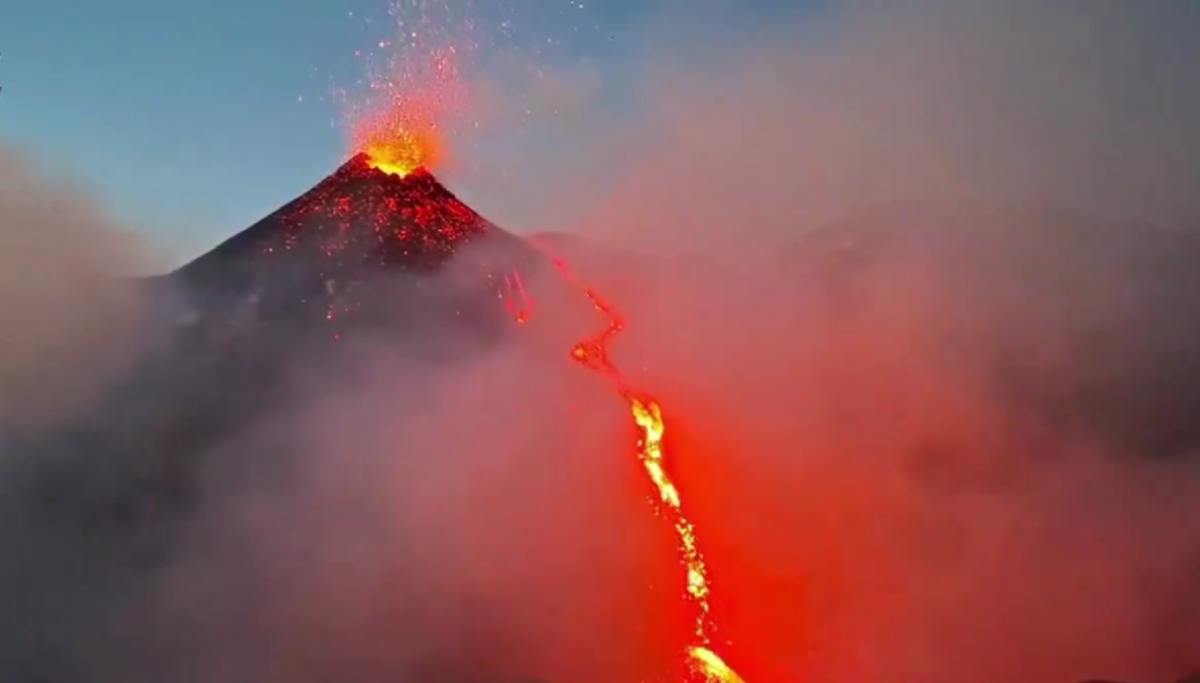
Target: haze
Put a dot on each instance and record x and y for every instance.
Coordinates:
(872, 507)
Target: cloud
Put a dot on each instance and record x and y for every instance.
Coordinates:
(68, 314)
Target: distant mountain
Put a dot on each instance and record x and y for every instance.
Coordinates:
(1092, 323)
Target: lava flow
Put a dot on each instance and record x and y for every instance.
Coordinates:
(593, 354)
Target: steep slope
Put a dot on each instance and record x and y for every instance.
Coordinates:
(359, 215)
(316, 256)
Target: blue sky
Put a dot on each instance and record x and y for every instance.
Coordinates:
(194, 119)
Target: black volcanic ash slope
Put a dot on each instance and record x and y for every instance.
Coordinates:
(358, 216)
(316, 256)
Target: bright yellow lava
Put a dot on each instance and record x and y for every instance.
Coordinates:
(393, 169)
(401, 152)
(713, 668)
(394, 166)
(592, 353)
(704, 661)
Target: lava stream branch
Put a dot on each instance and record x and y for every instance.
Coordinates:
(593, 353)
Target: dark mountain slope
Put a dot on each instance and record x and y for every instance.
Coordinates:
(355, 228)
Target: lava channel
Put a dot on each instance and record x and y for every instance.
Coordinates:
(592, 353)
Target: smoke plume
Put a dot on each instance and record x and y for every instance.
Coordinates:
(68, 314)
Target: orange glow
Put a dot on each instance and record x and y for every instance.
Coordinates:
(401, 153)
(706, 663)
(399, 123)
(647, 415)
(398, 137)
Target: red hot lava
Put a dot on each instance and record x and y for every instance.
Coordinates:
(593, 353)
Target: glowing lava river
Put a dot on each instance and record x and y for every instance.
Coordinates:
(592, 353)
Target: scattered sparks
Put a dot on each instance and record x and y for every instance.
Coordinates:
(358, 223)
(398, 130)
(415, 89)
(593, 354)
(356, 215)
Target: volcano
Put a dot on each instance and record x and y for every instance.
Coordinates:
(319, 257)
(365, 256)
(359, 215)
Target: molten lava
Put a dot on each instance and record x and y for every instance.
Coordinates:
(397, 126)
(397, 137)
(401, 150)
(593, 354)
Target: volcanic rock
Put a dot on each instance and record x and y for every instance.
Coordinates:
(316, 257)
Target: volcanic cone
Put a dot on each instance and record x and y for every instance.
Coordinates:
(319, 257)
